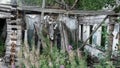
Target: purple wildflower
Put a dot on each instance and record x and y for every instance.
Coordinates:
(62, 66)
(69, 48)
(13, 66)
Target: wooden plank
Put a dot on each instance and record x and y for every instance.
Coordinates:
(5, 10)
(9, 32)
(8, 48)
(96, 38)
(86, 33)
(9, 27)
(115, 37)
(18, 21)
(8, 4)
(5, 7)
(18, 42)
(99, 12)
(8, 41)
(37, 9)
(61, 27)
(80, 33)
(91, 20)
(5, 15)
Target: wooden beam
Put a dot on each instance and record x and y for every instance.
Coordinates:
(57, 11)
(37, 9)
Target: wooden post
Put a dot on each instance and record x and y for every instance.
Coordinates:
(110, 37)
(62, 36)
(42, 15)
(65, 37)
(41, 25)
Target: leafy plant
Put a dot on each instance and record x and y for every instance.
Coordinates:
(104, 64)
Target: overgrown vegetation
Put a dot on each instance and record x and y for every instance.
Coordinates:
(81, 4)
(58, 58)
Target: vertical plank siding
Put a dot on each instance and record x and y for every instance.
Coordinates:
(86, 33)
(112, 39)
(96, 38)
(115, 37)
(80, 31)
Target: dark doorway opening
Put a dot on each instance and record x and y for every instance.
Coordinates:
(3, 33)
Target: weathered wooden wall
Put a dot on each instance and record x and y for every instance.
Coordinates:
(86, 25)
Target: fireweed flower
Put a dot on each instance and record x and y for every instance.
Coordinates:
(69, 48)
(13, 66)
(62, 66)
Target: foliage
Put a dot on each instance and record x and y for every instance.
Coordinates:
(81, 4)
(57, 58)
(32, 2)
(104, 64)
(105, 35)
(37, 2)
(94, 4)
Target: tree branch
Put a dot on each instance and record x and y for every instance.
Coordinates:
(59, 3)
(74, 4)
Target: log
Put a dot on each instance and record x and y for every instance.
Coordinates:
(93, 52)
